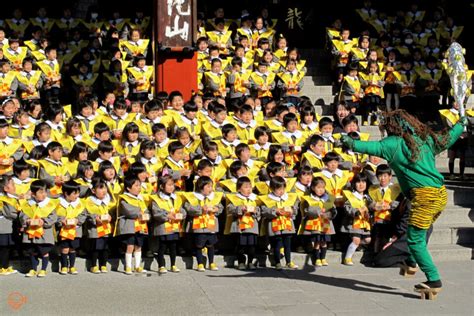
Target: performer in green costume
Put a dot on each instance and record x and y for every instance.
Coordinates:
(410, 150)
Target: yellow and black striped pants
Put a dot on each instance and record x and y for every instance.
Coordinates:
(426, 206)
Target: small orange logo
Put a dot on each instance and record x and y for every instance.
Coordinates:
(16, 300)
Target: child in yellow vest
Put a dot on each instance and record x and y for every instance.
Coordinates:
(317, 210)
(262, 82)
(99, 224)
(291, 82)
(21, 127)
(148, 158)
(8, 80)
(237, 169)
(202, 207)
(10, 149)
(9, 209)
(259, 150)
(160, 138)
(246, 124)
(174, 165)
(132, 223)
(351, 90)
(71, 216)
(29, 81)
(22, 172)
(154, 114)
(278, 211)
(291, 139)
(54, 116)
(15, 53)
(215, 80)
(228, 142)
(189, 120)
(308, 119)
(168, 218)
(107, 172)
(386, 197)
(128, 146)
(138, 170)
(192, 145)
(52, 75)
(37, 218)
(313, 157)
(243, 214)
(326, 127)
(140, 79)
(356, 221)
(373, 84)
(52, 170)
(212, 129)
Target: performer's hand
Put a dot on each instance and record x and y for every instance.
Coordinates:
(464, 121)
(347, 141)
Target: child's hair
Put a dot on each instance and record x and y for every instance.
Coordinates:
(218, 108)
(174, 94)
(82, 167)
(201, 183)
(54, 146)
(245, 108)
(40, 128)
(241, 181)
(84, 102)
(290, 117)
(272, 151)
(52, 111)
(70, 187)
(174, 146)
(383, 169)
(158, 127)
(304, 171)
(38, 152)
(78, 148)
(307, 111)
(234, 167)
(313, 140)
(147, 144)
(360, 177)
(182, 130)
(72, 122)
(316, 181)
(203, 164)
(129, 180)
(324, 122)
(153, 105)
(236, 61)
(351, 118)
(240, 148)
(190, 107)
(226, 129)
(136, 168)
(4, 182)
(30, 106)
(261, 130)
(130, 128)
(19, 166)
(274, 167)
(331, 156)
(209, 146)
(3, 123)
(98, 183)
(120, 104)
(37, 185)
(280, 109)
(163, 180)
(105, 147)
(101, 127)
(104, 165)
(277, 183)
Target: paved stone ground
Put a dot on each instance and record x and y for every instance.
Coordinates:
(333, 290)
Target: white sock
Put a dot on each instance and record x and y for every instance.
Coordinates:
(138, 258)
(350, 250)
(128, 260)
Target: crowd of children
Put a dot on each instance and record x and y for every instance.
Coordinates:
(247, 160)
(395, 61)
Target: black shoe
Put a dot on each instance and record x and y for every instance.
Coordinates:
(429, 285)
(410, 264)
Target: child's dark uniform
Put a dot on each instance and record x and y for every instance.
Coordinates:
(354, 222)
(390, 196)
(243, 224)
(129, 226)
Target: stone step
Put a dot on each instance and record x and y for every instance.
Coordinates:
(440, 253)
(454, 214)
(460, 234)
(461, 195)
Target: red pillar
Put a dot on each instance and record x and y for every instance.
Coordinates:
(175, 58)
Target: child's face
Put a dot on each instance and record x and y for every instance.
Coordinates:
(206, 172)
(240, 52)
(319, 189)
(9, 187)
(262, 69)
(373, 55)
(27, 66)
(292, 126)
(100, 192)
(56, 154)
(345, 35)
(318, 149)
(327, 129)
(105, 155)
(269, 107)
(44, 136)
(245, 155)
(23, 119)
(135, 188)
(291, 66)
(24, 174)
(178, 155)
(242, 172)
(75, 130)
(351, 127)
(220, 117)
(262, 139)
(306, 178)
(361, 186)
(131, 137)
(203, 45)
(364, 43)
(198, 102)
(169, 187)
(279, 191)
(152, 115)
(35, 112)
(207, 189)
(280, 117)
(86, 111)
(83, 155)
(58, 118)
(72, 196)
(384, 179)
(109, 174)
(191, 115)
(9, 109)
(279, 156)
(149, 153)
(373, 68)
(6, 68)
(332, 165)
(236, 68)
(177, 103)
(40, 195)
(142, 176)
(216, 67)
(141, 63)
(282, 44)
(89, 173)
(14, 45)
(184, 138)
(231, 136)
(3, 132)
(135, 36)
(160, 135)
(212, 154)
(245, 189)
(308, 119)
(406, 66)
(375, 160)
(136, 107)
(104, 136)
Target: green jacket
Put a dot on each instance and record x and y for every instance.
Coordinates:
(423, 172)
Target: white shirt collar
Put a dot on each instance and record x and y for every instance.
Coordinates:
(136, 197)
(282, 198)
(166, 197)
(134, 143)
(252, 124)
(453, 110)
(7, 140)
(19, 181)
(314, 154)
(188, 121)
(217, 125)
(201, 197)
(164, 143)
(227, 143)
(177, 163)
(54, 125)
(105, 201)
(358, 195)
(40, 204)
(328, 174)
(66, 204)
(251, 197)
(296, 133)
(277, 122)
(152, 161)
(58, 163)
(301, 186)
(312, 126)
